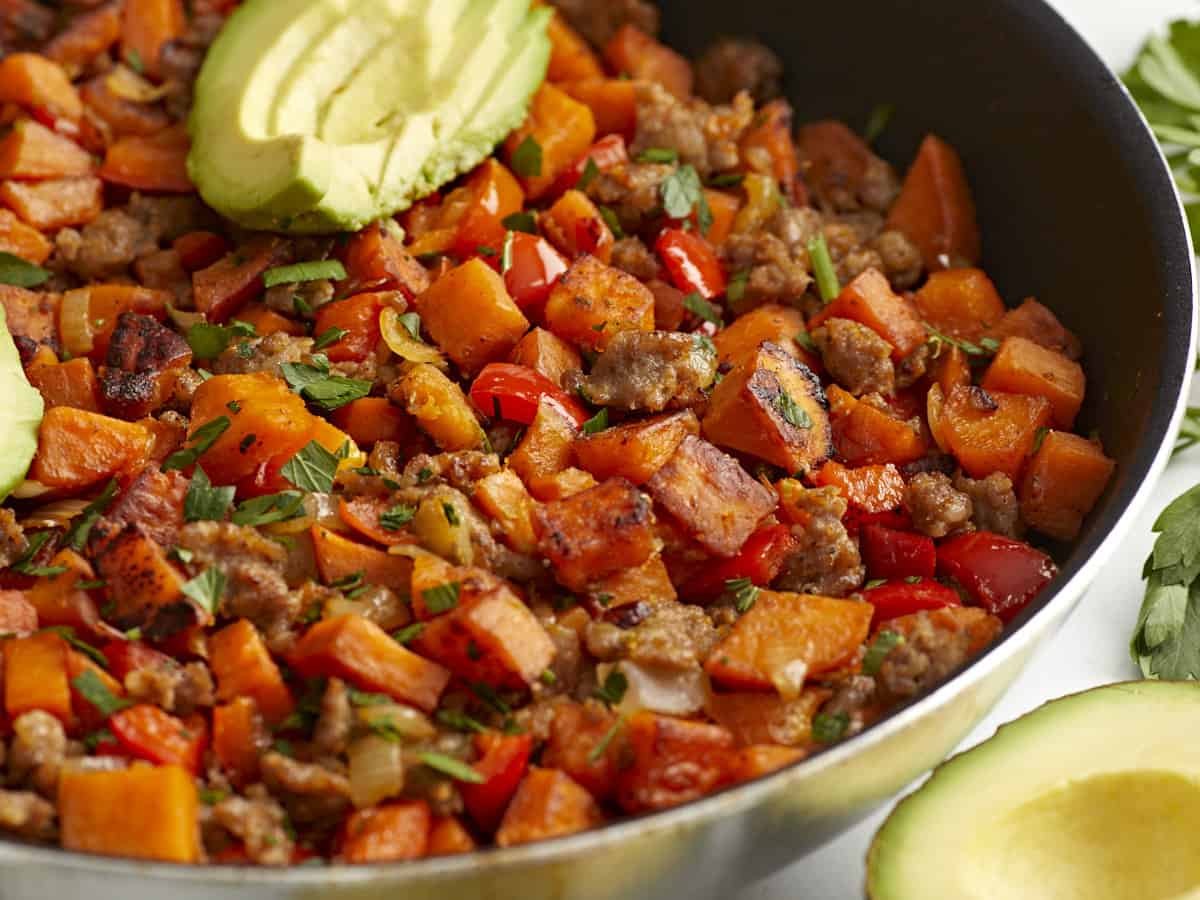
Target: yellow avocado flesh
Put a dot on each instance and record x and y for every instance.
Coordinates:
(20, 414)
(1092, 797)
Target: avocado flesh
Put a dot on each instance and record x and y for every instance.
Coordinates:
(1092, 797)
(20, 415)
(319, 116)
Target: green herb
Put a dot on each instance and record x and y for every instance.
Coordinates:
(329, 336)
(367, 698)
(67, 633)
(604, 599)
(938, 341)
(527, 158)
(245, 350)
(271, 508)
(77, 535)
(313, 382)
(96, 692)
(658, 155)
(791, 411)
(729, 179)
(611, 220)
(1038, 437)
(597, 423)
(703, 344)
(96, 738)
(697, 305)
(884, 643)
(506, 253)
(304, 271)
(804, 341)
(135, 60)
(203, 502)
(488, 695)
(878, 121)
(448, 765)
(828, 728)
(590, 172)
(441, 598)
(424, 475)
(202, 438)
(25, 565)
(1189, 431)
(312, 469)
(520, 221)
(874, 583)
(612, 692)
(459, 721)
(301, 306)
(451, 514)
(209, 341)
(736, 289)
(234, 406)
(397, 517)
(412, 324)
(408, 633)
(822, 265)
(485, 250)
(744, 593)
(21, 273)
(601, 746)
(913, 579)
(682, 194)
(182, 554)
(206, 589)
(91, 585)
(211, 796)
(283, 747)
(548, 678)
(348, 582)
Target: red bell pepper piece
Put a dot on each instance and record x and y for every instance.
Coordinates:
(505, 759)
(760, 560)
(509, 391)
(129, 656)
(607, 153)
(899, 598)
(888, 553)
(535, 269)
(1001, 574)
(146, 732)
(691, 263)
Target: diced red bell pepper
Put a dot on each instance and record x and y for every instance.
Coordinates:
(899, 598)
(760, 560)
(536, 267)
(358, 316)
(888, 553)
(691, 263)
(505, 759)
(607, 153)
(199, 249)
(1001, 574)
(512, 392)
(855, 519)
(129, 656)
(148, 733)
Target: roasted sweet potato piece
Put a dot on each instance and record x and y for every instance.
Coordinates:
(32, 151)
(771, 406)
(547, 804)
(88, 316)
(358, 317)
(637, 449)
(781, 325)
(72, 383)
(596, 533)
(90, 717)
(470, 315)
(143, 363)
(373, 419)
(77, 448)
(503, 496)
(59, 600)
(153, 500)
(243, 667)
(648, 583)
(146, 27)
(545, 449)
(362, 653)
(674, 761)
(156, 162)
(613, 102)
(339, 557)
(144, 812)
(265, 321)
(55, 203)
(870, 300)
(376, 261)
(233, 281)
(145, 587)
(787, 637)
(935, 208)
(872, 489)
(634, 53)
(36, 83)
(392, 832)
(30, 314)
(1024, 367)
(574, 225)
(865, 434)
(951, 368)
(20, 240)
(570, 56)
(563, 127)
(1064, 480)
(35, 676)
(991, 431)
(85, 37)
(576, 731)
(961, 303)
(1033, 321)
(448, 837)
(547, 354)
(239, 739)
(768, 718)
(593, 302)
(439, 406)
(711, 495)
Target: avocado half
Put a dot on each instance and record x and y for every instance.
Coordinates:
(20, 414)
(320, 116)
(1092, 797)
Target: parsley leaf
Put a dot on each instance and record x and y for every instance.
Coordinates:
(442, 598)
(408, 633)
(878, 121)
(21, 273)
(1189, 431)
(682, 193)
(697, 305)
(613, 690)
(77, 535)
(202, 438)
(93, 689)
(527, 158)
(329, 336)
(590, 173)
(597, 423)
(206, 589)
(658, 155)
(613, 223)
(397, 517)
(203, 501)
(735, 291)
(883, 644)
(793, 413)
(828, 728)
(313, 382)
(25, 565)
(312, 469)
(271, 508)
(520, 221)
(448, 765)
(601, 746)
(209, 341)
(304, 271)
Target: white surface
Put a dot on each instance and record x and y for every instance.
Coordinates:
(1092, 647)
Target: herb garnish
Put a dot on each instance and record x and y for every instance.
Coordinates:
(202, 438)
(21, 273)
(209, 341)
(520, 221)
(793, 413)
(744, 593)
(611, 220)
(448, 765)
(77, 535)
(271, 508)
(313, 382)
(329, 336)
(822, 265)
(397, 517)
(96, 692)
(877, 122)
(658, 155)
(597, 423)
(682, 193)
(527, 158)
(883, 644)
(612, 692)
(442, 598)
(697, 305)
(312, 469)
(206, 589)
(937, 340)
(25, 565)
(601, 746)
(828, 728)
(408, 633)
(204, 502)
(304, 271)
(590, 172)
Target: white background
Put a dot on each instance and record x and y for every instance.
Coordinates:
(1092, 647)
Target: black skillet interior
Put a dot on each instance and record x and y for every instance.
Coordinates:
(1075, 205)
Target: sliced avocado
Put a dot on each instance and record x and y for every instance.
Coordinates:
(318, 116)
(1092, 797)
(20, 414)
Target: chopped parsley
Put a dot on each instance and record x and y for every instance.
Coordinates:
(793, 413)
(611, 220)
(206, 589)
(937, 341)
(874, 583)
(312, 469)
(601, 746)
(271, 508)
(202, 438)
(77, 535)
(682, 194)
(67, 633)
(877, 122)
(92, 688)
(451, 514)
(408, 633)
(203, 502)
(304, 271)
(822, 266)
(209, 341)
(314, 383)
(329, 336)
(727, 179)
(804, 341)
(397, 517)
(442, 598)
(21, 273)
(448, 765)
(612, 692)
(744, 593)
(590, 172)
(459, 721)
(488, 695)
(135, 60)
(527, 158)
(883, 644)
(597, 423)
(25, 565)
(521, 221)
(697, 305)
(658, 155)
(736, 289)
(828, 728)
(412, 324)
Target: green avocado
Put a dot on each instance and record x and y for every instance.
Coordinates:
(319, 116)
(20, 414)
(1092, 797)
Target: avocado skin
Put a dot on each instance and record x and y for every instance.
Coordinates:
(284, 176)
(20, 414)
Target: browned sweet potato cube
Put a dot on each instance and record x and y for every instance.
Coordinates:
(592, 302)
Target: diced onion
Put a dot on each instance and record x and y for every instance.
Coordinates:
(55, 515)
(75, 326)
(788, 678)
(376, 770)
(671, 692)
(129, 85)
(934, 405)
(405, 722)
(400, 342)
(435, 531)
(184, 319)
(29, 489)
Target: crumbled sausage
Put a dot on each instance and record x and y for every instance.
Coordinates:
(732, 65)
(311, 792)
(936, 507)
(177, 689)
(332, 731)
(901, 258)
(264, 354)
(856, 357)
(826, 560)
(26, 814)
(38, 748)
(994, 503)
(12, 539)
(632, 192)
(854, 698)
(650, 371)
(632, 256)
(260, 823)
(773, 273)
(926, 656)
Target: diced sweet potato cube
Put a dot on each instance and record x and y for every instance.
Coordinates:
(77, 448)
(34, 82)
(1064, 480)
(339, 557)
(376, 260)
(243, 667)
(637, 449)
(786, 637)
(935, 208)
(768, 718)
(1024, 367)
(547, 804)
(613, 102)
(711, 495)
(361, 652)
(567, 483)
(502, 495)
(89, 716)
(870, 300)
(593, 302)
(575, 733)
(33, 151)
(992, 432)
(771, 406)
(961, 303)
(596, 533)
(470, 315)
(648, 583)
(35, 676)
(872, 489)
(763, 759)
(864, 434)
(439, 407)
(574, 225)
(674, 761)
(72, 383)
(1033, 321)
(547, 354)
(146, 588)
(448, 836)
(634, 53)
(239, 739)
(59, 600)
(370, 420)
(780, 325)
(570, 56)
(231, 282)
(142, 812)
(21, 240)
(545, 450)
(951, 368)
(563, 128)
(55, 203)
(85, 37)
(393, 832)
